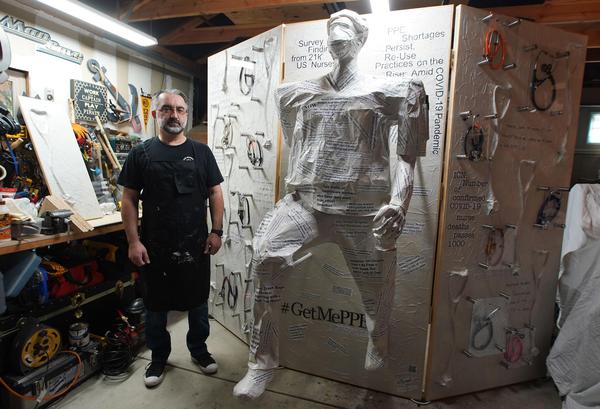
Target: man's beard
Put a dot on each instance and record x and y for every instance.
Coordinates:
(172, 127)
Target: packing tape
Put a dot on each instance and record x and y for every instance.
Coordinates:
(5, 53)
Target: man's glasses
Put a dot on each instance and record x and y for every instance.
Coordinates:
(168, 109)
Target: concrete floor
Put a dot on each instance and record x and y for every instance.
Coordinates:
(186, 387)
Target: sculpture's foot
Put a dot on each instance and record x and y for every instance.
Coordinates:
(253, 384)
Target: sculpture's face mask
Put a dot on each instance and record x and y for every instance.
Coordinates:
(343, 42)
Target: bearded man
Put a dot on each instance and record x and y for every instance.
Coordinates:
(173, 176)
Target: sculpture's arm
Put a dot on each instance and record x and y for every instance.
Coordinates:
(389, 221)
(413, 130)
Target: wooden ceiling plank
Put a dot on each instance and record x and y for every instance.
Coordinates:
(181, 30)
(190, 65)
(133, 7)
(220, 34)
(290, 14)
(162, 9)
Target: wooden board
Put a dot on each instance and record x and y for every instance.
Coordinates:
(57, 203)
(58, 155)
(277, 15)
(41, 240)
(534, 150)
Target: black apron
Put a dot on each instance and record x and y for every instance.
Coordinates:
(174, 232)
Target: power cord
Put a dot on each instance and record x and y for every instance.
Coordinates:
(117, 355)
(537, 82)
(473, 142)
(44, 396)
(493, 48)
(246, 81)
(549, 208)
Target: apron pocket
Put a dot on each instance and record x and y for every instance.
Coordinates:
(186, 183)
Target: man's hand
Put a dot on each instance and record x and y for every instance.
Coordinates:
(213, 244)
(387, 226)
(137, 254)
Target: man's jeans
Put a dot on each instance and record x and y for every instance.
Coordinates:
(158, 339)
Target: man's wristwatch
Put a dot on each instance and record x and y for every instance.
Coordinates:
(217, 232)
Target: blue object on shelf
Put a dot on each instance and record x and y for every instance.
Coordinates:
(43, 287)
(20, 268)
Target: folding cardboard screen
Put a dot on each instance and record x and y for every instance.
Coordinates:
(520, 148)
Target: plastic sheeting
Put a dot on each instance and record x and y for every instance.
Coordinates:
(339, 156)
(575, 357)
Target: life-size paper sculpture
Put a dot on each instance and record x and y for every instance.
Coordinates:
(341, 129)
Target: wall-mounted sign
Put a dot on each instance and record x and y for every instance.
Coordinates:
(90, 101)
(146, 104)
(48, 45)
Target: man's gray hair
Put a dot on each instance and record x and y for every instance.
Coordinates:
(173, 91)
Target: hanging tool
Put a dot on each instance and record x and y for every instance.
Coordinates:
(120, 113)
(136, 124)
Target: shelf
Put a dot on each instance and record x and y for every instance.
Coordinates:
(105, 225)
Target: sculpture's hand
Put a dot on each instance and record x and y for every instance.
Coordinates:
(387, 226)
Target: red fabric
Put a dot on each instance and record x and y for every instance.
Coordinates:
(75, 279)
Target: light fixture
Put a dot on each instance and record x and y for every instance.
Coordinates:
(380, 6)
(102, 21)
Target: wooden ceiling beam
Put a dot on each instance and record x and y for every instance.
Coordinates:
(162, 9)
(192, 66)
(131, 8)
(193, 23)
(576, 16)
(556, 11)
(288, 14)
(209, 35)
(593, 39)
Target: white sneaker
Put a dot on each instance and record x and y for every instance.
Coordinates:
(207, 364)
(154, 375)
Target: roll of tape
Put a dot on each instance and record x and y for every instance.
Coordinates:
(79, 334)
(5, 53)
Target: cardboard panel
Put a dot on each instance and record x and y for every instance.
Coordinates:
(495, 241)
(241, 82)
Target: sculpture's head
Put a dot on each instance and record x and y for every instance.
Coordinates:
(347, 32)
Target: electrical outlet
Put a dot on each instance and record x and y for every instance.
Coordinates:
(48, 94)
